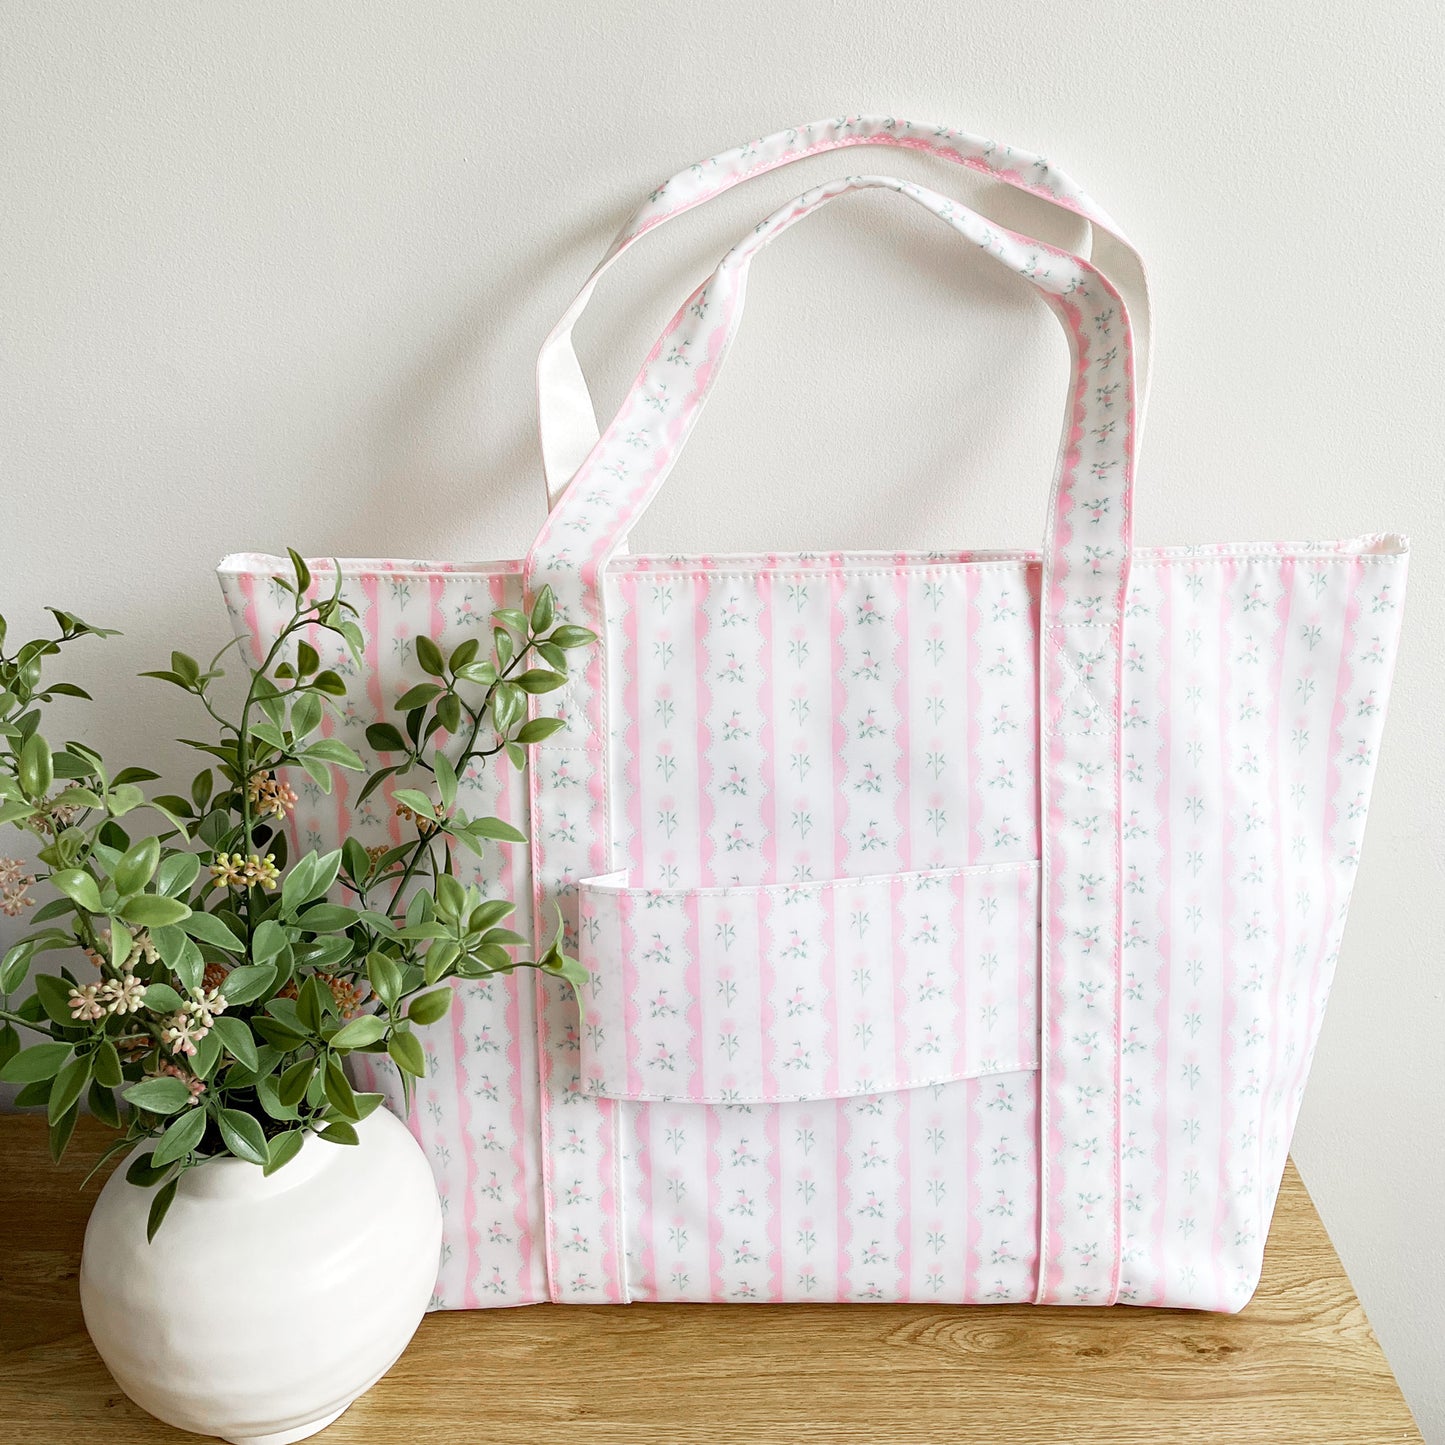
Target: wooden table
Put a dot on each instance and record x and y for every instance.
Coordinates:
(1300, 1364)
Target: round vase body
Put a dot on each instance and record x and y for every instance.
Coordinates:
(265, 1306)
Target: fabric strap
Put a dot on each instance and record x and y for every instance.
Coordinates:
(1084, 583)
(566, 417)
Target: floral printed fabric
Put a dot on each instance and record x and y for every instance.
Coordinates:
(960, 924)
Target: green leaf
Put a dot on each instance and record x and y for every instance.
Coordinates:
(569, 637)
(292, 1088)
(464, 652)
(495, 828)
(305, 715)
(302, 571)
(177, 873)
(385, 738)
(446, 777)
(482, 673)
(54, 996)
(35, 1094)
(384, 976)
(138, 866)
(511, 617)
(429, 655)
(78, 886)
(569, 969)
(102, 1104)
(418, 802)
(490, 913)
(366, 1104)
(38, 1062)
(163, 998)
(243, 1136)
(539, 680)
(149, 910)
(427, 1008)
(210, 929)
(360, 1032)
(539, 728)
(543, 610)
(9, 1044)
(70, 1084)
(283, 1148)
(268, 1092)
(338, 1090)
(451, 896)
(330, 683)
(406, 1053)
(449, 712)
(509, 704)
(121, 943)
(327, 918)
(77, 798)
(237, 1039)
(124, 798)
(339, 1132)
(312, 1003)
(207, 1055)
(16, 965)
(60, 1131)
(160, 1207)
(267, 941)
(418, 696)
(36, 767)
(278, 1035)
(107, 1066)
(162, 1096)
(201, 790)
(307, 659)
(140, 1171)
(439, 958)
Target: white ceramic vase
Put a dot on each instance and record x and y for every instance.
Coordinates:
(264, 1307)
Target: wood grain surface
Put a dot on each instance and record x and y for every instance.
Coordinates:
(1299, 1364)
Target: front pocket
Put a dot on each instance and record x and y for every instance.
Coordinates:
(809, 991)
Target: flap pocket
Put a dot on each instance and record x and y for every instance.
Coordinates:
(809, 991)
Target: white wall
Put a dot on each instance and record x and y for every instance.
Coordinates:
(277, 273)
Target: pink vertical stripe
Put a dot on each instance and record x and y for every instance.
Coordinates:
(1226, 1183)
(904, 1167)
(837, 626)
(1163, 803)
(518, 1082)
(768, 805)
(470, 1300)
(631, 1012)
(1318, 983)
(703, 705)
(971, 1115)
(639, 866)
(1271, 1110)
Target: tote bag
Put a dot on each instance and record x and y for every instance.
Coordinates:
(958, 924)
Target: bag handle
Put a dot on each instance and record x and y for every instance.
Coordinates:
(1085, 578)
(566, 419)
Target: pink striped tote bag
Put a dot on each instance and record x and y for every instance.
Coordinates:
(958, 924)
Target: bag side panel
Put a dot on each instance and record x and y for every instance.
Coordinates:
(1255, 689)
(475, 1113)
